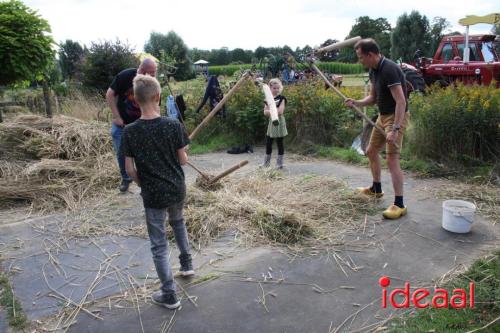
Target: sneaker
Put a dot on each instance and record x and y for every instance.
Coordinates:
(125, 185)
(368, 191)
(394, 212)
(168, 301)
(186, 266)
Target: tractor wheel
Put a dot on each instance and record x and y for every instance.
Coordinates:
(414, 81)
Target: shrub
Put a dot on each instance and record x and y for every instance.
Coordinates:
(456, 125)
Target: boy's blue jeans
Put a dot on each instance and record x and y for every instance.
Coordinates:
(155, 220)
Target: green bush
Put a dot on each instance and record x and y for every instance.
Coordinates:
(457, 125)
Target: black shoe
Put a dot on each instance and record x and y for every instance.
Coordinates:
(186, 266)
(125, 185)
(168, 301)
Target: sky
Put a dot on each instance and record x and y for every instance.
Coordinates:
(236, 24)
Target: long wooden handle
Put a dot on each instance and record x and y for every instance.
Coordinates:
(338, 45)
(218, 106)
(271, 104)
(358, 110)
(228, 171)
(204, 175)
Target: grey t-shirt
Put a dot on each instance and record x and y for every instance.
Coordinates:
(153, 144)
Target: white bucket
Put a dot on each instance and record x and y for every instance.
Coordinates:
(458, 215)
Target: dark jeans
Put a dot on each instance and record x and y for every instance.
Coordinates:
(269, 145)
(116, 135)
(155, 220)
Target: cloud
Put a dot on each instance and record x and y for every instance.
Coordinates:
(218, 23)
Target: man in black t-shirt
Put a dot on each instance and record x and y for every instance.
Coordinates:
(120, 98)
(155, 148)
(388, 91)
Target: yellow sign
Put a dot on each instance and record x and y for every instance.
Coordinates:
(473, 19)
(143, 55)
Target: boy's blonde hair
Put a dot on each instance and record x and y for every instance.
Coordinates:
(274, 81)
(145, 88)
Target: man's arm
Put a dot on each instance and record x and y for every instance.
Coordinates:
(368, 100)
(111, 99)
(399, 96)
(131, 171)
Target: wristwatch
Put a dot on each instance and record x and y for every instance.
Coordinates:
(396, 128)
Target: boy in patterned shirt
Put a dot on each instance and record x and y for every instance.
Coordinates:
(155, 148)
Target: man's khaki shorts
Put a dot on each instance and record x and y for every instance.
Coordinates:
(377, 140)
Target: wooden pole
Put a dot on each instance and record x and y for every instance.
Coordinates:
(204, 175)
(358, 110)
(218, 106)
(228, 171)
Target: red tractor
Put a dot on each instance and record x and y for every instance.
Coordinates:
(469, 59)
(448, 64)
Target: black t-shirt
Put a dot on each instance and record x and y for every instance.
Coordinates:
(123, 87)
(153, 144)
(386, 75)
(278, 99)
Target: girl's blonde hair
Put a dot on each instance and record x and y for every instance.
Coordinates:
(274, 81)
(145, 88)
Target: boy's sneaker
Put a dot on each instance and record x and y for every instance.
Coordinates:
(186, 266)
(168, 301)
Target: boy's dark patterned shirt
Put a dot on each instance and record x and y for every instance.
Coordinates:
(153, 144)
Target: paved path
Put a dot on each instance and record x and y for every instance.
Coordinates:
(307, 293)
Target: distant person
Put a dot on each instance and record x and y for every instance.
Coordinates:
(215, 94)
(388, 90)
(275, 132)
(120, 98)
(155, 148)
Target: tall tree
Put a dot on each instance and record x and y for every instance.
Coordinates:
(71, 56)
(239, 55)
(261, 52)
(412, 33)
(439, 28)
(104, 61)
(25, 44)
(332, 55)
(174, 47)
(366, 27)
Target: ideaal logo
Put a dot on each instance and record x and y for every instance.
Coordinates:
(440, 299)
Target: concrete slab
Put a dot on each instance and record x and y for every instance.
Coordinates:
(46, 268)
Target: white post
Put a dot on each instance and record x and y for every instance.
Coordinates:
(466, 49)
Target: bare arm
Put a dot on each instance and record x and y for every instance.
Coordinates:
(111, 99)
(267, 112)
(281, 108)
(368, 100)
(131, 171)
(182, 155)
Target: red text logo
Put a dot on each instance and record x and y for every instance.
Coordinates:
(422, 298)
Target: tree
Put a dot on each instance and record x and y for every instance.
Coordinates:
(220, 56)
(411, 33)
(71, 56)
(365, 27)
(241, 56)
(174, 47)
(329, 56)
(439, 28)
(261, 52)
(25, 44)
(104, 61)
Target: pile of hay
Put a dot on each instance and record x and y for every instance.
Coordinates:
(55, 163)
(269, 207)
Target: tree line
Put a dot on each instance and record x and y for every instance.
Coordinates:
(27, 53)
